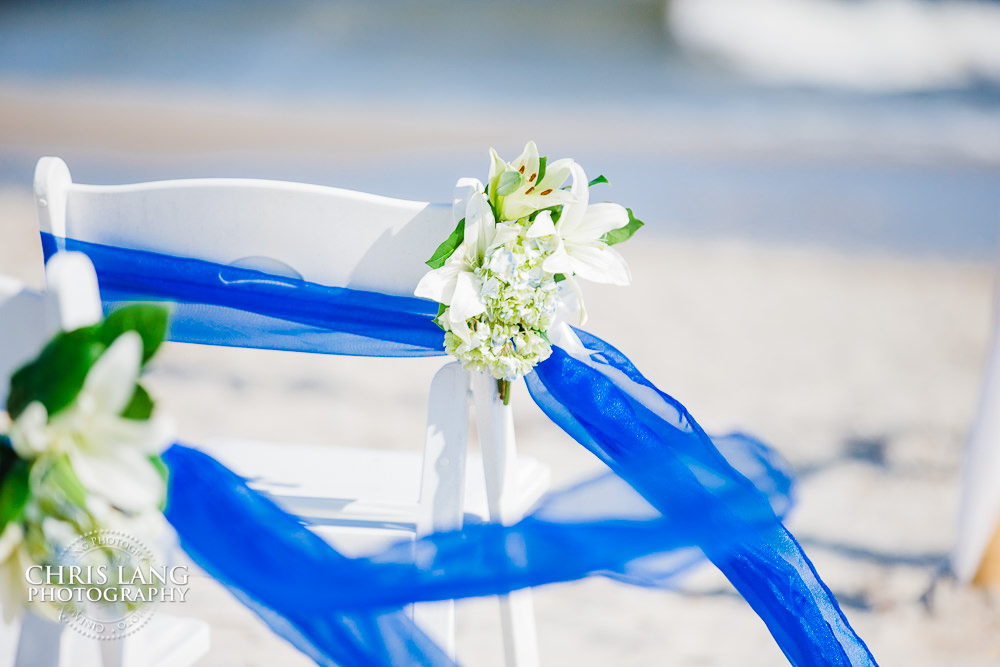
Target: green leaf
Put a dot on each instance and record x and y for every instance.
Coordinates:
(437, 318)
(559, 277)
(148, 320)
(508, 181)
(161, 467)
(56, 376)
(494, 209)
(541, 168)
(597, 181)
(14, 487)
(164, 473)
(140, 407)
(62, 475)
(623, 234)
(450, 245)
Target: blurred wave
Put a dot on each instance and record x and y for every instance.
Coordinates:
(846, 123)
(871, 45)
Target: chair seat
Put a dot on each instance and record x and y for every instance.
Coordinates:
(327, 491)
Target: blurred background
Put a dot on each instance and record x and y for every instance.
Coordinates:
(862, 124)
(821, 185)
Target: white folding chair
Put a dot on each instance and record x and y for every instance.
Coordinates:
(344, 239)
(27, 320)
(975, 556)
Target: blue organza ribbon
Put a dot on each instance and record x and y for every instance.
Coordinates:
(726, 505)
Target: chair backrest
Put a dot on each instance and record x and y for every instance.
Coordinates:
(321, 234)
(29, 318)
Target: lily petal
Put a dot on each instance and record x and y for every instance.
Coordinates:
(126, 479)
(559, 261)
(542, 226)
(574, 211)
(465, 188)
(527, 162)
(479, 226)
(504, 233)
(581, 306)
(599, 263)
(28, 434)
(112, 433)
(439, 284)
(110, 383)
(557, 172)
(467, 301)
(599, 219)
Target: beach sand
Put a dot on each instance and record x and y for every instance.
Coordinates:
(863, 370)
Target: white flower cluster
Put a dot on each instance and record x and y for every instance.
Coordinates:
(88, 469)
(518, 238)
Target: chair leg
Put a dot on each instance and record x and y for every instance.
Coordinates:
(495, 422)
(112, 653)
(442, 489)
(39, 643)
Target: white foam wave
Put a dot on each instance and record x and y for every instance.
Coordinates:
(871, 45)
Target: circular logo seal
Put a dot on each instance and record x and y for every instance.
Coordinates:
(112, 576)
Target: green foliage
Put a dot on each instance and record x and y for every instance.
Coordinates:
(148, 320)
(542, 161)
(140, 407)
(56, 376)
(14, 487)
(597, 181)
(450, 245)
(164, 473)
(623, 234)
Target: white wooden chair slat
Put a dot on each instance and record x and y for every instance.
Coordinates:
(338, 238)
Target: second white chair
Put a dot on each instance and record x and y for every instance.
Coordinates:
(345, 239)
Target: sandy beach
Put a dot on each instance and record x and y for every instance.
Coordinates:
(862, 369)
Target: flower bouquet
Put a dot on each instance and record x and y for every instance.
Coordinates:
(81, 457)
(507, 273)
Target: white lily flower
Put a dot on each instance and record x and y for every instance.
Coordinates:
(517, 190)
(581, 250)
(109, 454)
(455, 284)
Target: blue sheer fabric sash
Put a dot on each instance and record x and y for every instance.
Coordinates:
(216, 304)
(587, 387)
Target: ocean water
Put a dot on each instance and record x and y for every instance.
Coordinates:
(727, 138)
